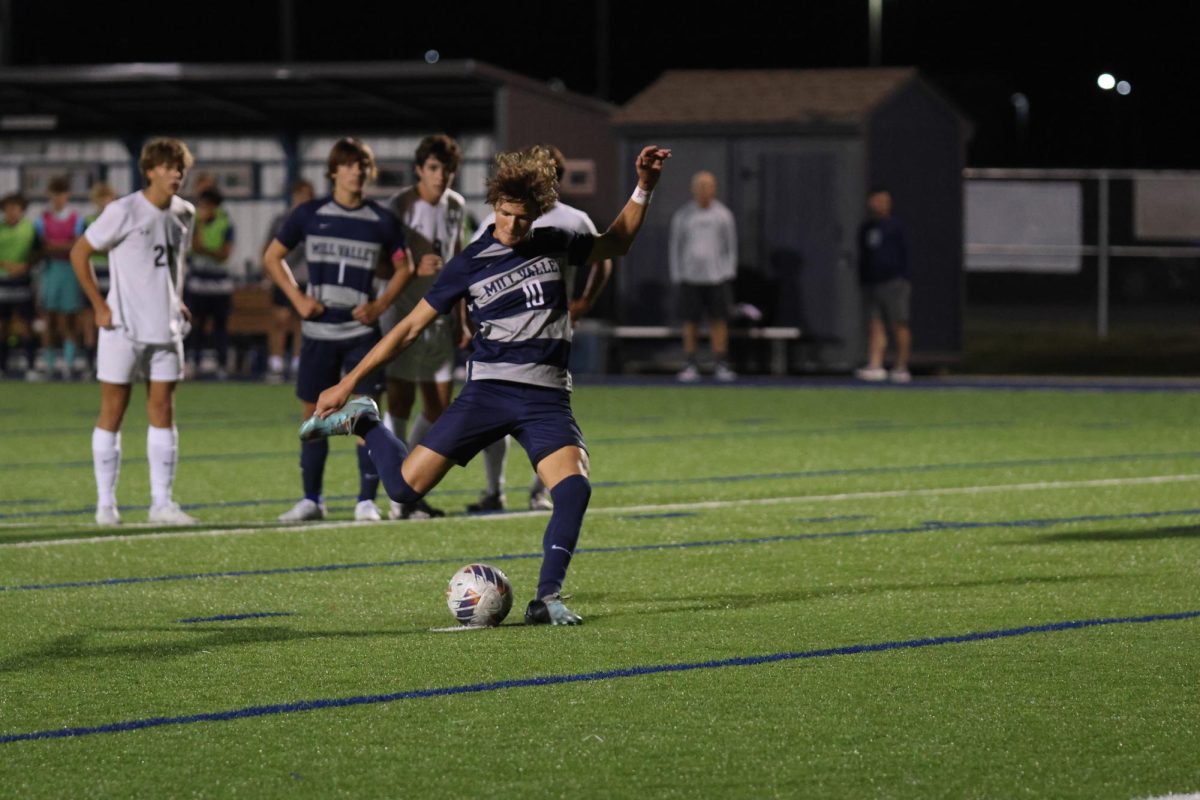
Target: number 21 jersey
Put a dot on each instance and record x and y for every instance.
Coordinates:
(145, 247)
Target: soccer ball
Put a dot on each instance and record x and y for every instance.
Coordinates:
(479, 596)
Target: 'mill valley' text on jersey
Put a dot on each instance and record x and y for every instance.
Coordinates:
(343, 247)
(518, 301)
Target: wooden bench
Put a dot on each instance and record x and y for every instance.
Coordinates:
(249, 323)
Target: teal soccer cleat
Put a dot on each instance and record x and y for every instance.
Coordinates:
(340, 422)
(550, 610)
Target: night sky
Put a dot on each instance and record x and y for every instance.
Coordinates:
(978, 54)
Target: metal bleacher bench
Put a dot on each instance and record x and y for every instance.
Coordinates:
(777, 338)
(251, 319)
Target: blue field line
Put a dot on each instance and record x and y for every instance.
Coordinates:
(584, 677)
(883, 426)
(834, 472)
(926, 527)
(231, 617)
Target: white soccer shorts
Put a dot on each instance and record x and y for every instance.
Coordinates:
(121, 360)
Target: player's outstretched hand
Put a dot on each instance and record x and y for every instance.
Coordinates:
(331, 400)
(649, 165)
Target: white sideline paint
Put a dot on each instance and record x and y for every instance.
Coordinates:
(1191, 796)
(642, 509)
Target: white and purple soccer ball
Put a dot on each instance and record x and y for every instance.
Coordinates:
(479, 596)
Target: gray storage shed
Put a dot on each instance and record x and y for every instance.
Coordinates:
(795, 152)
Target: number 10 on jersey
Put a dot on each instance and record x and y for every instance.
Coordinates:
(533, 294)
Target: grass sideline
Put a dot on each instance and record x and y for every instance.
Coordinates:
(820, 592)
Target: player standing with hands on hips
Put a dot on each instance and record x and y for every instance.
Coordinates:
(345, 237)
(518, 381)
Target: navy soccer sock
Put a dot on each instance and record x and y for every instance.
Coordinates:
(571, 497)
(388, 453)
(312, 467)
(368, 478)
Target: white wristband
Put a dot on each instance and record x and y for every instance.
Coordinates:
(641, 196)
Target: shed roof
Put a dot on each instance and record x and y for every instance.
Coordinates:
(762, 96)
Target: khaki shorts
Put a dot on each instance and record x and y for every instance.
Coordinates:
(429, 358)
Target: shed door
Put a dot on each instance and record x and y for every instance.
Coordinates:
(801, 238)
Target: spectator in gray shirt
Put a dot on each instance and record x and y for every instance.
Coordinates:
(703, 262)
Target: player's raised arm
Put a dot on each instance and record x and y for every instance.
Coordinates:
(617, 239)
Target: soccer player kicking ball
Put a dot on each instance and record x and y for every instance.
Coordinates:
(518, 382)
(142, 322)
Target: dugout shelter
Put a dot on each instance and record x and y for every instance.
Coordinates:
(257, 127)
(795, 153)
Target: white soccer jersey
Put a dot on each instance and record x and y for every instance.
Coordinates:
(428, 229)
(562, 216)
(145, 247)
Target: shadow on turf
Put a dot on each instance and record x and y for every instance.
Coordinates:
(658, 604)
(1140, 535)
(74, 646)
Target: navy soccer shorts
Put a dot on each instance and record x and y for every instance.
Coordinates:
(323, 362)
(539, 417)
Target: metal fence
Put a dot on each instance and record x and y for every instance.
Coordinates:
(1139, 228)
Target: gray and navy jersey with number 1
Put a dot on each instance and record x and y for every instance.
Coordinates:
(518, 302)
(343, 246)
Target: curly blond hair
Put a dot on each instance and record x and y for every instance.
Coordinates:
(525, 176)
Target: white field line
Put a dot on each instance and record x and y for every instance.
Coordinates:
(1189, 796)
(641, 509)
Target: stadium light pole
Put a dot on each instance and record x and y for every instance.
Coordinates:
(875, 25)
(287, 30)
(603, 65)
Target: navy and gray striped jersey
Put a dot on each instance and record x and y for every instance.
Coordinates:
(518, 301)
(343, 246)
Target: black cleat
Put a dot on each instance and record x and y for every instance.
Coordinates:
(487, 503)
(420, 510)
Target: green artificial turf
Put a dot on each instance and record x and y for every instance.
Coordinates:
(726, 524)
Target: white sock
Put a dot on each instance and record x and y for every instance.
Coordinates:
(420, 427)
(162, 451)
(397, 427)
(106, 458)
(494, 456)
(275, 363)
